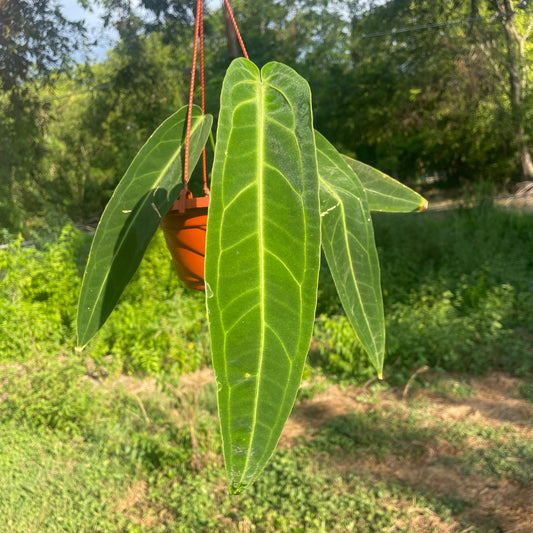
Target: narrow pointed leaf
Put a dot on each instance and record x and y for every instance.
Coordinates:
(348, 243)
(145, 193)
(262, 258)
(385, 193)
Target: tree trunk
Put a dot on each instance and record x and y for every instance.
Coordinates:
(526, 161)
(516, 65)
(233, 48)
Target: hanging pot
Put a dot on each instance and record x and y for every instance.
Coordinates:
(184, 227)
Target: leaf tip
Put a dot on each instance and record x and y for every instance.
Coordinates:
(380, 376)
(423, 205)
(237, 485)
(235, 490)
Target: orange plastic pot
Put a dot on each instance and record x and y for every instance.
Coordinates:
(184, 227)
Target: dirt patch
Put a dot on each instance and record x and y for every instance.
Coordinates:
(494, 402)
(491, 504)
(193, 381)
(519, 199)
(312, 414)
(136, 506)
(198, 379)
(421, 519)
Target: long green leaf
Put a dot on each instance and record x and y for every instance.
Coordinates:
(145, 193)
(262, 258)
(348, 243)
(385, 193)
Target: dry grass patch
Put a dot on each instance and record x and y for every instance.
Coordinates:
(483, 422)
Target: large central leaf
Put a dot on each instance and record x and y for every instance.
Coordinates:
(262, 258)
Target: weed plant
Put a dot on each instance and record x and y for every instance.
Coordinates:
(526, 391)
(38, 294)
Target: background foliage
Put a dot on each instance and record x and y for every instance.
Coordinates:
(457, 298)
(417, 89)
(115, 439)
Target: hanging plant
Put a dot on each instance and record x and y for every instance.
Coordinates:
(280, 192)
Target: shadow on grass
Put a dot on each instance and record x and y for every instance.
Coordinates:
(471, 473)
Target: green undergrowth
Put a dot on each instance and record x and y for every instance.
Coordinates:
(157, 325)
(59, 485)
(458, 295)
(114, 439)
(457, 290)
(526, 391)
(51, 483)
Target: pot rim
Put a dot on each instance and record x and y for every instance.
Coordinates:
(187, 201)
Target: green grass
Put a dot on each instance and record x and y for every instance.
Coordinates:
(150, 460)
(57, 484)
(110, 440)
(53, 483)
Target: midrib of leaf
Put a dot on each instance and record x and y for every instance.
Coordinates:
(347, 245)
(176, 154)
(260, 229)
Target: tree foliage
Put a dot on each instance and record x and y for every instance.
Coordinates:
(34, 39)
(414, 88)
(448, 67)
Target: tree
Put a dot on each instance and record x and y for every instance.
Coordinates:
(102, 115)
(516, 63)
(35, 42)
(35, 39)
(428, 82)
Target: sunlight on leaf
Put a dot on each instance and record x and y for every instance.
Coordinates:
(262, 258)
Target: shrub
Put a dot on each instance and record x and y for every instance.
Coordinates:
(38, 295)
(337, 349)
(157, 325)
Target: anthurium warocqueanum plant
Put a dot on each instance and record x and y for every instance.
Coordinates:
(280, 192)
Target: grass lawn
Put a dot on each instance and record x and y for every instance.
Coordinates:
(124, 436)
(454, 453)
